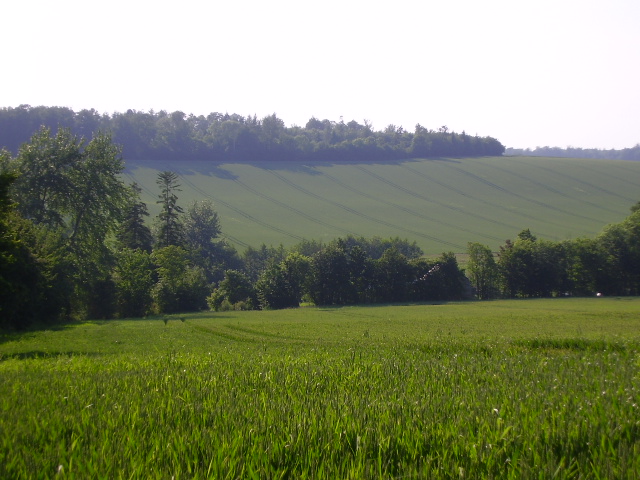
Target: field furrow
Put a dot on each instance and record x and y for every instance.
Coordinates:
(411, 212)
(397, 228)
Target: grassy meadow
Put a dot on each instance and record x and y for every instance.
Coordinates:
(503, 389)
(441, 204)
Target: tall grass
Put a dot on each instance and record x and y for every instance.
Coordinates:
(370, 392)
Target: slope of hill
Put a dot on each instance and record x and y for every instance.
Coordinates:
(441, 204)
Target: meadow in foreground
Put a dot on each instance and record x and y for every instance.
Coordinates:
(506, 389)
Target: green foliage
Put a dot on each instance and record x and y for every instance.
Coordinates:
(181, 287)
(201, 227)
(376, 246)
(392, 277)
(307, 247)
(74, 189)
(330, 277)
(282, 285)
(622, 243)
(235, 291)
(34, 283)
(5, 161)
(64, 183)
(482, 271)
(341, 274)
(588, 267)
(134, 280)
(440, 279)
(45, 185)
(170, 228)
(531, 267)
(17, 270)
(256, 260)
(608, 264)
(40, 289)
(133, 233)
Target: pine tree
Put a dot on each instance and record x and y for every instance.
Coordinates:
(133, 233)
(170, 230)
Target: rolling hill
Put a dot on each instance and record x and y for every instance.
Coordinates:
(441, 204)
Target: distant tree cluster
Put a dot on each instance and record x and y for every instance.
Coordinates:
(632, 153)
(529, 267)
(343, 272)
(230, 137)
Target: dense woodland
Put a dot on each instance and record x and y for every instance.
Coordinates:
(230, 137)
(76, 242)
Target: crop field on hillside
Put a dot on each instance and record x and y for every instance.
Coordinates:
(504, 389)
(441, 204)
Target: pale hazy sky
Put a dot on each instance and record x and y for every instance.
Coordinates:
(530, 73)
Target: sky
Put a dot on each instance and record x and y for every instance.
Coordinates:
(529, 73)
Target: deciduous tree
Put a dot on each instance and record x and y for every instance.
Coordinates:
(181, 286)
(482, 270)
(76, 189)
(282, 284)
(134, 279)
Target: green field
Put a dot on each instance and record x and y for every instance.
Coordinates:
(441, 204)
(504, 389)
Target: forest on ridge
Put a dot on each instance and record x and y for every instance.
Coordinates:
(225, 137)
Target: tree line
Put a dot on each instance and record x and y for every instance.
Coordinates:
(530, 267)
(176, 136)
(632, 153)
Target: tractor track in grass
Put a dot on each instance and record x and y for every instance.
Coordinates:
(586, 184)
(234, 333)
(607, 174)
(430, 200)
(405, 209)
(304, 215)
(476, 199)
(258, 334)
(521, 197)
(363, 215)
(547, 187)
(217, 332)
(238, 211)
(627, 171)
